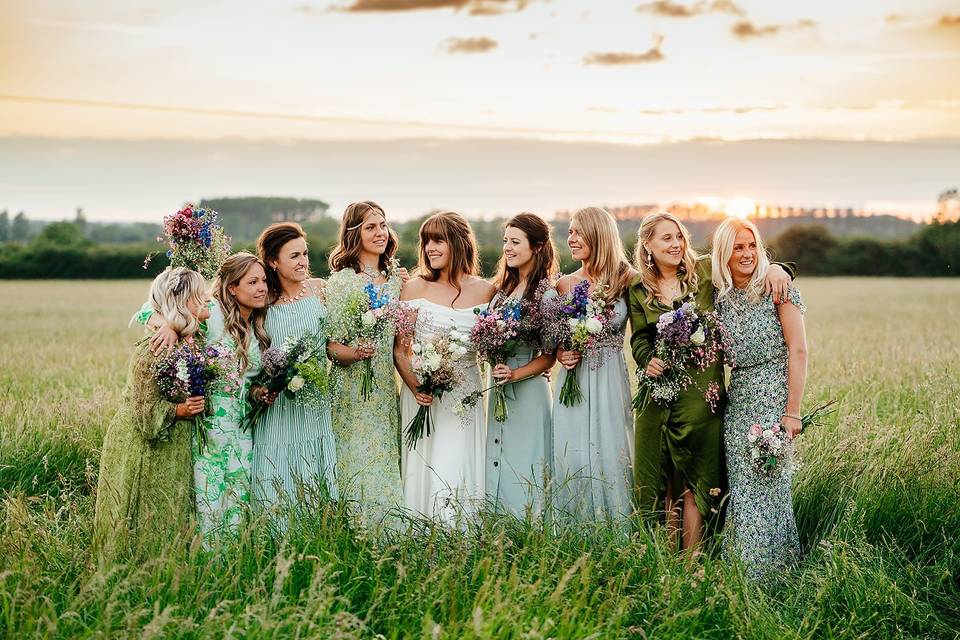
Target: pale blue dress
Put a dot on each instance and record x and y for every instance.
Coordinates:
(293, 446)
(593, 440)
(518, 453)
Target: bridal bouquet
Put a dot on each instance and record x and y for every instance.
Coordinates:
(580, 321)
(192, 370)
(298, 368)
(195, 240)
(768, 445)
(686, 340)
(435, 363)
(365, 316)
(496, 336)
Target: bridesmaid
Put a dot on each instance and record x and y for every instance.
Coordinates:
(518, 449)
(443, 472)
(293, 447)
(146, 472)
(367, 431)
(769, 354)
(592, 441)
(679, 454)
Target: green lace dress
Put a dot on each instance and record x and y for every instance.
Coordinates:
(367, 433)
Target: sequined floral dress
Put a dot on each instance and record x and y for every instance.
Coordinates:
(760, 524)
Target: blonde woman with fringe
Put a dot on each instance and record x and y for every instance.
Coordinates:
(592, 440)
(768, 353)
(145, 484)
(678, 466)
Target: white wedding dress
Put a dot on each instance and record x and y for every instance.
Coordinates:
(443, 474)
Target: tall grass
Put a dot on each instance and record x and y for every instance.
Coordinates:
(878, 506)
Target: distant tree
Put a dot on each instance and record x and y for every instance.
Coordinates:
(4, 226)
(20, 230)
(61, 234)
(80, 220)
(810, 246)
(948, 206)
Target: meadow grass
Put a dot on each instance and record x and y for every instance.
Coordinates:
(877, 502)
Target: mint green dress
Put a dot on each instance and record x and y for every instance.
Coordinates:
(367, 433)
(294, 455)
(518, 450)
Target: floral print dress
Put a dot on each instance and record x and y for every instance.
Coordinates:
(760, 523)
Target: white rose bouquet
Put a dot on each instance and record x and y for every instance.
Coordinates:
(436, 364)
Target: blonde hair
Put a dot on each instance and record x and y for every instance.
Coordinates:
(607, 263)
(169, 294)
(231, 272)
(647, 266)
(723, 241)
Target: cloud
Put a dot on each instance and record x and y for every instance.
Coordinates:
(894, 18)
(736, 110)
(469, 45)
(670, 9)
(745, 29)
(949, 20)
(616, 58)
(475, 7)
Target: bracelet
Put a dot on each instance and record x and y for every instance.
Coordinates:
(793, 415)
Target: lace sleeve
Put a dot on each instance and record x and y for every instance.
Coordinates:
(153, 417)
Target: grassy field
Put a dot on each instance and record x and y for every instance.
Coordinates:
(877, 502)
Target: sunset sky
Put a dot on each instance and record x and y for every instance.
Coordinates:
(536, 71)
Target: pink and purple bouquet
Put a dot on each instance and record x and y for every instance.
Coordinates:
(436, 364)
(298, 368)
(686, 340)
(581, 321)
(193, 370)
(496, 336)
(768, 448)
(195, 240)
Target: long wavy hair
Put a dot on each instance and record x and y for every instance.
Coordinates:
(647, 266)
(545, 261)
(170, 292)
(347, 252)
(454, 229)
(607, 263)
(269, 243)
(723, 240)
(231, 272)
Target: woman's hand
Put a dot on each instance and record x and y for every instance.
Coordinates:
(502, 374)
(193, 406)
(792, 425)
(261, 394)
(423, 399)
(656, 367)
(163, 340)
(568, 359)
(778, 283)
(364, 350)
(404, 274)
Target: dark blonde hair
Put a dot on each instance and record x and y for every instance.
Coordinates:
(170, 292)
(347, 252)
(453, 229)
(545, 261)
(269, 243)
(607, 263)
(650, 273)
(231, 272)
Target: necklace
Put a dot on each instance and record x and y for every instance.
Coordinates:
(300, 294)
(372, 272)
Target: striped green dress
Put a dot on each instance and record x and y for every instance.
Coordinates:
(293, 446)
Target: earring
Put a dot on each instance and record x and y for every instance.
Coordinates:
(649, 259)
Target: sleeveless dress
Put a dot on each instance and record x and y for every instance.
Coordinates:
(293, 447)
(367, 433)
(760, 519)
(443, 473)
(592, 440)
(518, 453)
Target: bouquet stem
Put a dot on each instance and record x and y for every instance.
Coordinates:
(199, 433)
(419, 427)
(641, 400)
(366, 380)
(570, 393)
(500, 412)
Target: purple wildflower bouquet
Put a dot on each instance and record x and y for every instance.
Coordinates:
(435, 363)
(298, 368)
(496, 335)
(581, 321)
(193, 370)
(686, 340)
(768, 448)
(195, 240)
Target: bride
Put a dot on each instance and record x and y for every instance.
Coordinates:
(443, 472)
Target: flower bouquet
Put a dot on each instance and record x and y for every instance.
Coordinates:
(496, 337)
(298, 369)
(435, 364)
(191, 370)
(195, 240)
(685, 340)
(768, 445)
(580, 321)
